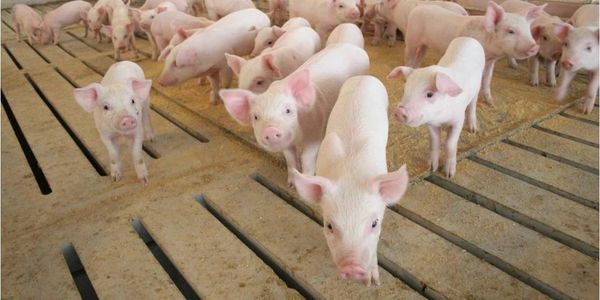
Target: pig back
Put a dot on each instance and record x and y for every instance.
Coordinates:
(120, 72)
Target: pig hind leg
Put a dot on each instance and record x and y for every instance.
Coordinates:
(17, 30)
(472, 115)
(486, 81)
(213, 78)
(435, 142)
(592, 92)
(56, 35)
(309, 158)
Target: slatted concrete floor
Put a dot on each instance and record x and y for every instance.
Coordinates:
(520, 219)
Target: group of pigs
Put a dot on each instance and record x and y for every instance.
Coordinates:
(305, 89)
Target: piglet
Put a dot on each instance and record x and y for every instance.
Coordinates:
(145, 18)
(500, 33)
(24, 17)
(438, 95)
(382, 27)
(586, 15)
(180, 5)
(579, 52)
(100, 14)
(165, 26)
(217, 9)
(352, 184)
(203, 54)
(290, 117)
(289, 52)
(121, 107)
(121, 30)
(324, 15)
(70, 13)
(346, 33)
(267, 36)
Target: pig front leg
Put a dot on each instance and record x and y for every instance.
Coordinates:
(113, 154)
(592, 92)
(565, 79)
(451, 149)
(551, 72)
(213, 78)
(148, 130)
(291, 159)
(136, 52)
(486, 81)
(17, 30)
(56, 35)
(378, 27)
(86, 25)
(391, 35)
(534, 70)
(374, 278)
(137, 157)
(512, 62)
(309, 158)
(435, 140)
(155, 52)
(472, 116)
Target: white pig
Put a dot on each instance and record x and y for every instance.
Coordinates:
(500, 34)
(121, 107)
(165, 26)
(289, 52)
(69, 13)
(324, 15)
(267, 36)
(382, 28)
(181, 5)
(145, 18)
(100, 14)
(586, 15)
(580, 52)
(121, 30)
(217, 9)
(346, 33)
(24, 17)
(438, 95)
(203, 54)
(352, 184)
(291, 116)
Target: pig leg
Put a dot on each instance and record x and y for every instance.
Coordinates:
(137, 157)
(551, 72)
(435, 140)
(87, 27)
(592, 92)
(56, 35)
(148, 131)
(486, 82)
(155, 52)
(472, 116)
(133, 47)
(451, 148)
(117, 54)
(291, 159)
(534, 70)
(565, 79)
(113, 154)
(391, 35)
(512, 62)
(413, 54)
(309, 158)
(374, 276)
(213, 78)
(17, 30)
(378, 26)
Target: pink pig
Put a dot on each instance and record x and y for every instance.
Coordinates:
(580, 52)
(181, 5)
(289, 52)
(70, 13)
(352, 184)
(121, 107)
(290, 117)
(121, 30)
(438, 96)
(500, 33)
(346, 33)
(217, 9)
(203, 54)
(145, 18)
(165, 26)
(24, 17)
(586, 15)
(100, 14)
(267, 36)
(324, 15)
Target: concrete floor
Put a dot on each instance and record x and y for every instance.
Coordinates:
(519, 220)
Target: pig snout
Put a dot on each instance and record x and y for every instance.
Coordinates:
(533, 50)
(567, 64)
(353, 271)
(401, 114)
(127, 123)
(354, 14)
(272, 136)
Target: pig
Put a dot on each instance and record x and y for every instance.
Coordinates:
(121, 108)
(181, 5)
(579, 52)
(217, 9)
(289, 52)
(324, 15)
(145, 18)
(203, 54)
(100, 15)
(439, 95)
(69, 13)
(586, 15)
(500, 33)
(121, 31)
(382, 28)
(346, 33)
(277, 11)
(291, 115)
(24, 17)
(266, 37)
(352, 184)
(165, 26)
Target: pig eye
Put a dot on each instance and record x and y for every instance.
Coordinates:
(270, 43)
(510, 31)
(588, 48)
(375, 223)
(259, 82)
(545, 38)
(566, 45)
(255, 118)
(132, 101)
(329, 227)
(106, 107)
(429, 94)
(341, 6)
(288, 111)
(151, 17)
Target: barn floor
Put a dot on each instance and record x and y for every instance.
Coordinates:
(519, 220)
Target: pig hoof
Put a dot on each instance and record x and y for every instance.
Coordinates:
(534, 83)
(551, 84)
(449, 171)
(144, 180)
(115, 176)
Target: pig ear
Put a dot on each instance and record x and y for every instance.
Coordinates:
(300, 88)
(186, 57)
(235, 63)
(392, 3)
(106, 30)
(88, 96)
(268, 61)
(391, 186)
(493, 15)
(277, 31)
(165, 52)
(311, 188)
(400, 71)
(445, 84)
(136, 13)
(535, 12)
(141, 88)
(160, 9)
(536, 32)
(238, 103)
(562, 30)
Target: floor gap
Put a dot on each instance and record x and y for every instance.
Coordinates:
(37, 51)
(553, 157)
(12, 57)
(570, 116)
(566, 136)
(82, 280)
